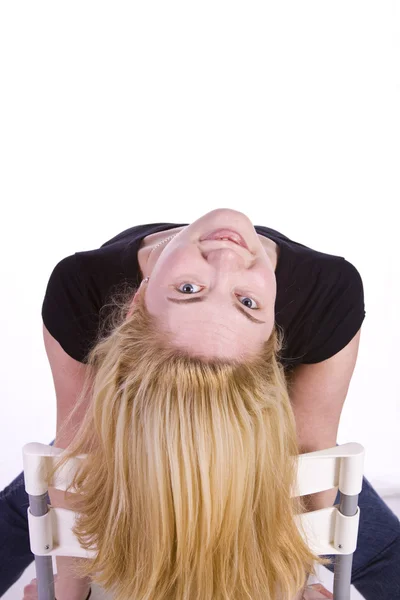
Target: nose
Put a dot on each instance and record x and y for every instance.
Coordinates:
(228, 259)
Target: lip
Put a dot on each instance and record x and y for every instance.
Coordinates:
(230, 233)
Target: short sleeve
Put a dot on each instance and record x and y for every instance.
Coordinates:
(67, 311)
(339, 316)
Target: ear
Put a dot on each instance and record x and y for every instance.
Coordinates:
(130, 311)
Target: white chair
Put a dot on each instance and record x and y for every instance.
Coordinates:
(328, 531)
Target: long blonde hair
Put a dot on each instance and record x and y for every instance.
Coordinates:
(186, 490)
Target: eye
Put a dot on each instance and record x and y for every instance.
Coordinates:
(186, 285)
(249, 300)
(190, 285)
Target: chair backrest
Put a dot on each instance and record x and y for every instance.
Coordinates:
(331, 530)
(327, 531)
(50, 533)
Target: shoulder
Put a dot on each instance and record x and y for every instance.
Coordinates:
(82, 283)
(337, 268)
(79, 293)
(65, 274)
(337, 310)
(340, 283)
(66, 307)
(76, 295)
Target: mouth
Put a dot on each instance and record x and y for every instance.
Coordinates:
(227, 235)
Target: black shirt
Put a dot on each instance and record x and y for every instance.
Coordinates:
(319, 302)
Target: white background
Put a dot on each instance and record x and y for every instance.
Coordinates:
(116, 114)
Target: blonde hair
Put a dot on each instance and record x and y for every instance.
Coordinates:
(186, 489)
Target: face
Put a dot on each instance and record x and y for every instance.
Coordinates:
(230, 290)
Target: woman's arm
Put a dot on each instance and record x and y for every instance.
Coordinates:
(317, 393)
(68, 376)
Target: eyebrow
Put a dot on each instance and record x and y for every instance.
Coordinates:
(202, 298)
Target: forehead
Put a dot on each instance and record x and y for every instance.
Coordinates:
(217, 327)
(214, 339)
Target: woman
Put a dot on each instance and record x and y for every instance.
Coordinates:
(318, 302)
(191, 437)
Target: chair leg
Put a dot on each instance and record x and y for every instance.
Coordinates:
(343, 562)
(342, 576)
(43, 564)
(44, 577)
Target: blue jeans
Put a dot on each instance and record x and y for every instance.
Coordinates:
(376, 561)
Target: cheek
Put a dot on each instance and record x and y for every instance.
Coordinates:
(271, 279)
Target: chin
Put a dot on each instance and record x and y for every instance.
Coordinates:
(227, 212)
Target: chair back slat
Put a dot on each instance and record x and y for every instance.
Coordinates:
(325, 469)
(38, 460)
